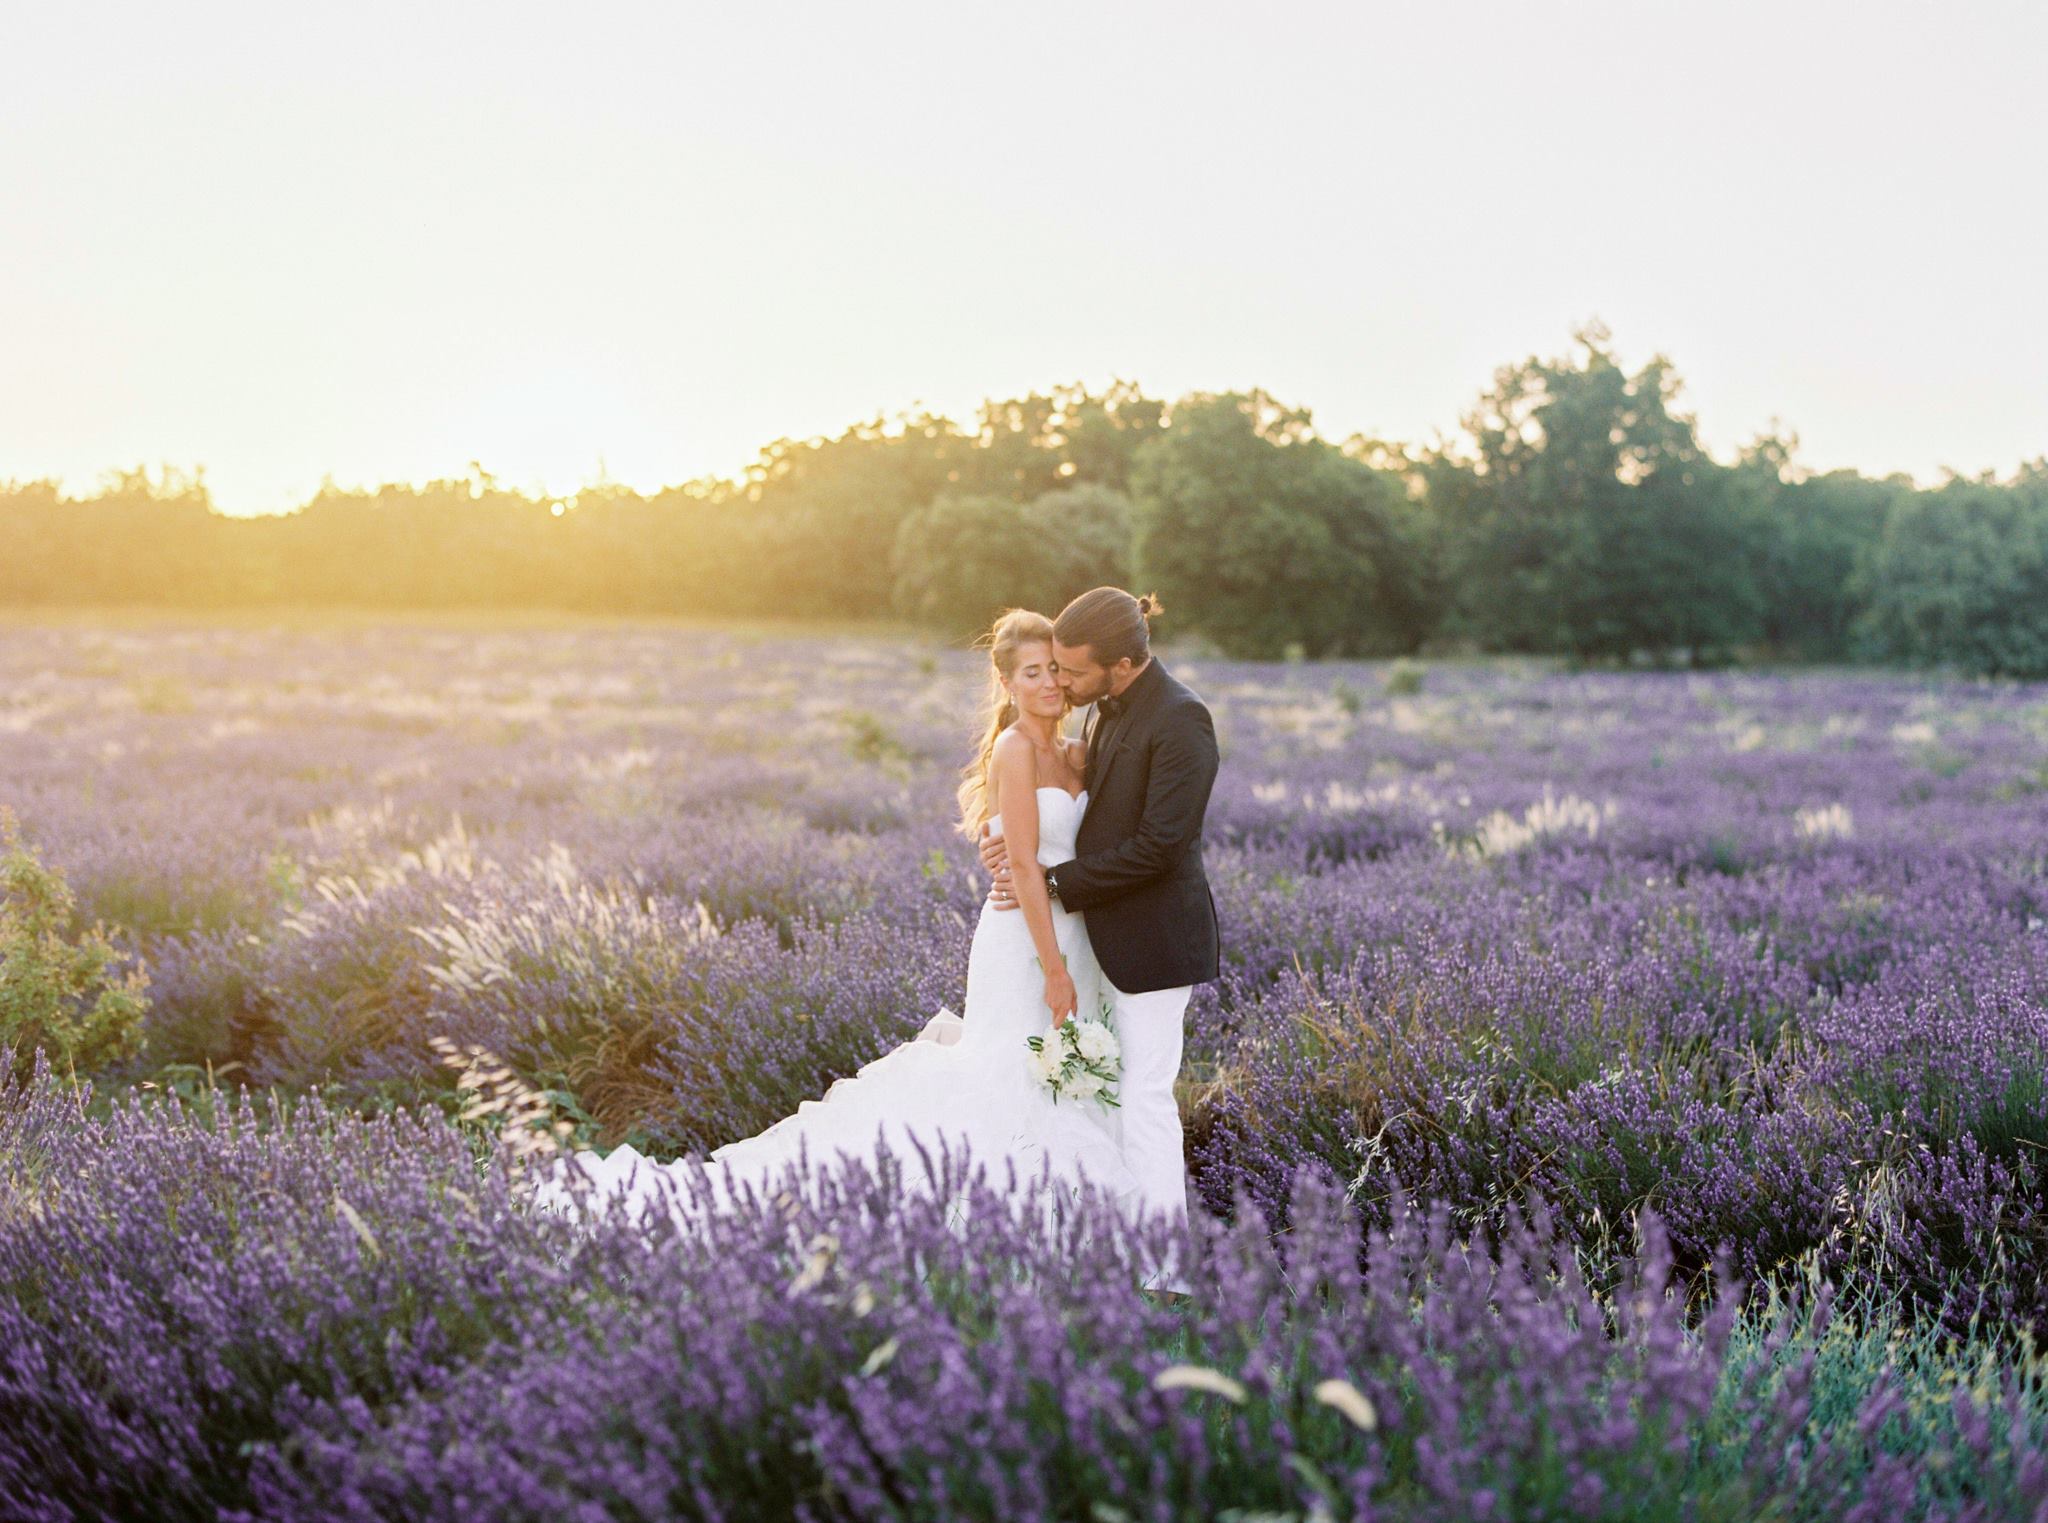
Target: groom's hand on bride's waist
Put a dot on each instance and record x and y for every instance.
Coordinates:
(995, 856)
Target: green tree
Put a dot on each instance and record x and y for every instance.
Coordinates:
(34, 570)
(1959, 577)
(1261, 536)
(457, 542)
(1016, 450)
(1805, 536)
(1583, 515)
(1084, 539)
(960, 559)
(1100, 436)
(134, 541)
(830, 510)
(1070, 436)
(964, 557)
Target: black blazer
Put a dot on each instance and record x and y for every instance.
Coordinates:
(1137, 874)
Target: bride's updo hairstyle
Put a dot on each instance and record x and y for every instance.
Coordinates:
(1111, 623)
(1016, 628)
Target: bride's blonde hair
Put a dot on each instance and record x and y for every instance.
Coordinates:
(1015, 628)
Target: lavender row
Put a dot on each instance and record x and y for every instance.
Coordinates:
(294, 1312)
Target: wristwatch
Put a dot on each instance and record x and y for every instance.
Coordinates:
(1052, 889)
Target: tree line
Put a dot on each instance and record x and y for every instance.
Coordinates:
(1573, 512)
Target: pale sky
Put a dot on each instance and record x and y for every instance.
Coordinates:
(381, 240)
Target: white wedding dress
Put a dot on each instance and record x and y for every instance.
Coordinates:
(962, 1080)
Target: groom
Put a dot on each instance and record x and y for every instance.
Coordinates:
(1138, 876)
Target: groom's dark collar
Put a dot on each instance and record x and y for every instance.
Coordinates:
(1141, 688)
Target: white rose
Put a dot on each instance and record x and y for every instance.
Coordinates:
(1097, 1042)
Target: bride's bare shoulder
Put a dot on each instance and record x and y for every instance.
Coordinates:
(1012, 752)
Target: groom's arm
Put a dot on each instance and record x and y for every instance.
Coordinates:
(1176, 797)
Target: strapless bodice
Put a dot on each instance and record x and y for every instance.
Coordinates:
(1059, 823)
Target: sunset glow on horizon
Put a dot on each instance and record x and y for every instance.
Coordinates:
(639, 243)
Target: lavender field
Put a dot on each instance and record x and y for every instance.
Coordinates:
(1627, 1095)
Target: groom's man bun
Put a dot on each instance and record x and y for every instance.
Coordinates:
(1111, 623)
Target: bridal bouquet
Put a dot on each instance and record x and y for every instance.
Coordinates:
(1078, 1061)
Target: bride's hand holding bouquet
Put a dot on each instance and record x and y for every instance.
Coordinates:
(1078, 1060)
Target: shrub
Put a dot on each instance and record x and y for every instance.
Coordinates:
(58, 995)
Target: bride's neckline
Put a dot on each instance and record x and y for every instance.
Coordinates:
(1056, 788)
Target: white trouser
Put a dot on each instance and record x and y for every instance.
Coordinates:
(1148, 1028)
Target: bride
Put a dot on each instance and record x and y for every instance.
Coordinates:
(966, 1080)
